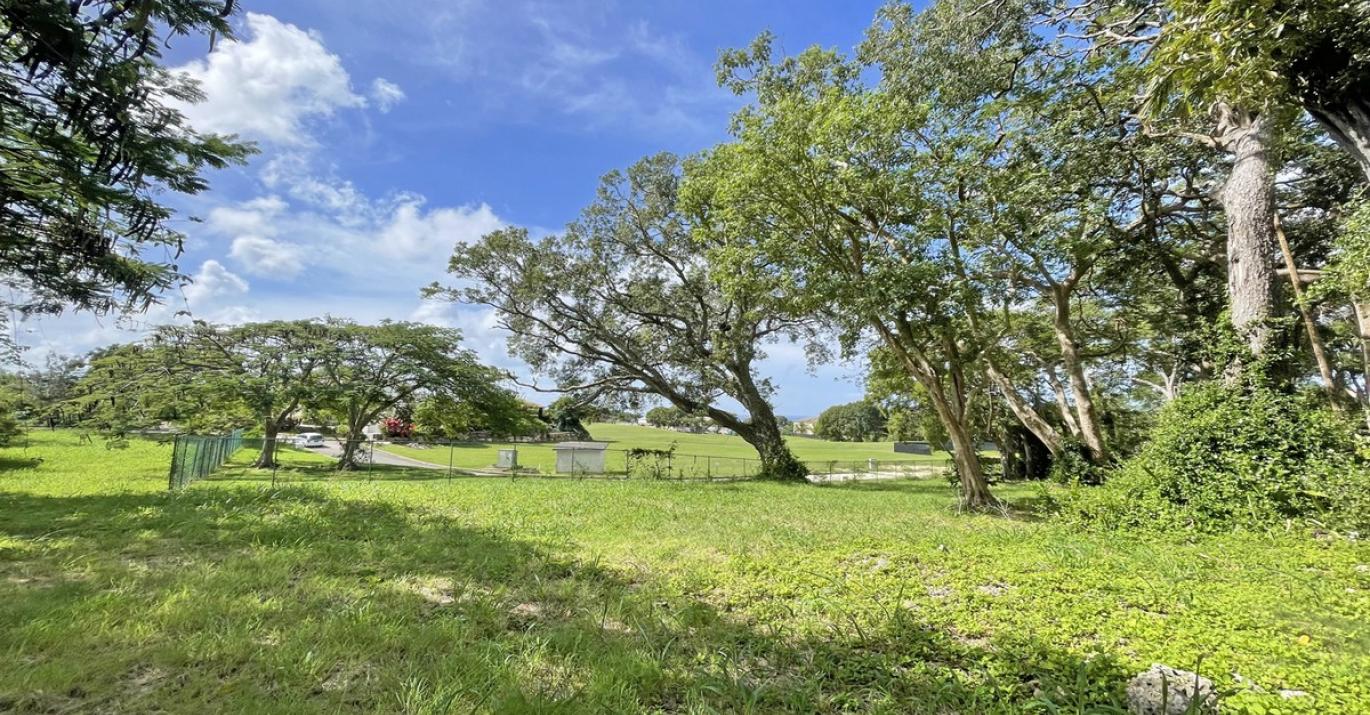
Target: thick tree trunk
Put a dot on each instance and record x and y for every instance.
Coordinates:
(974, 486)
(348, 461)
(1086, 414)
(975, 492)
(762, 432)
(1025, 413)
(353, 442)
(266, 458)
(1248, 200)
(1349, 125)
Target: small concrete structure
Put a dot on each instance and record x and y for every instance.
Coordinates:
(913, 447)
(508, 459)
(580, 457)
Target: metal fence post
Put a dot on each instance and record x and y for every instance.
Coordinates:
(171, 475)
(451, 456)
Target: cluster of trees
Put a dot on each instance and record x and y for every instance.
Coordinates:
(266, 376)
(1036, 221)
(859, 421)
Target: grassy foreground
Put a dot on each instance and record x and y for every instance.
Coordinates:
(728, 451)
(411, 594)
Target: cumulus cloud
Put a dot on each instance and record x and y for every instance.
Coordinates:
(216, 294)
(267, 257)
(268, 86)
(411, 231)
(385, 94)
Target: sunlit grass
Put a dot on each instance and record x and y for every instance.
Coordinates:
(400, 591)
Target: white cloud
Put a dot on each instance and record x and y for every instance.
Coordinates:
(253, 216)
(268, 86)
(385, 94)
(293, 174)
(213, 282)
(266, 257)
(413, 232)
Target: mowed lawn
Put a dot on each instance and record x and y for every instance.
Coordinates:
(408, 593)
(730, 455)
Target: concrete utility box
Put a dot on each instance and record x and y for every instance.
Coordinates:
(580, 457)
(913, 447)
(508, 459)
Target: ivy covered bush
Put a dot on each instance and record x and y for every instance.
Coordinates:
(1221, 458)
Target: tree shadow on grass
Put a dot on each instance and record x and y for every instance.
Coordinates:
(289, 600)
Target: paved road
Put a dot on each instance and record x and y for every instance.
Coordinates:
(333, 448)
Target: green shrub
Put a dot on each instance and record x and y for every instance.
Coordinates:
(9, 428)
(1074, 467)
(1220, 458)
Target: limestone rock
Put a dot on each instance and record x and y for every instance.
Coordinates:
(1180, 687)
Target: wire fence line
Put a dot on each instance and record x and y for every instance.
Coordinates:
(196, 456)
(465, 458)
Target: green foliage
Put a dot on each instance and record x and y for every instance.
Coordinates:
(498, 411)
(1262, 53)
(903, 425)
(858, 421)
(9, 425)
(1221, 458)
(1348, 273)
(90, 143)
(1073, 466)
(623, 304)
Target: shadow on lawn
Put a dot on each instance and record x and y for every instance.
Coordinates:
(254, 599)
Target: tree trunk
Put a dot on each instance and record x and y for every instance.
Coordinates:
(266, 458)
(1310, 326)
(1363, 329)
(356, 425)
(975, 492)
(763, 434)
(347, 462)
(1349, 125)
(1025, 413)
(1086, 415)
(1248, 200)
(1058, 391)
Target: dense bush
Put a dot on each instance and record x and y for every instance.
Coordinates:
(1222, 458)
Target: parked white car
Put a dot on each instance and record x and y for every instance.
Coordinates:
(309, 439)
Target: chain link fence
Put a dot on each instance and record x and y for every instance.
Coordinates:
(195, 456)
(412, 458)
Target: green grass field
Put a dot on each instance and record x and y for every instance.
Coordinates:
(408, 593)
(731, 455)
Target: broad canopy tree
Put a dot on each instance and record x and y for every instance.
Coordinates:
(369, 370)
(622, 304)
(268, 369)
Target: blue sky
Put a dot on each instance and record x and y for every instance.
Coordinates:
(390, 131)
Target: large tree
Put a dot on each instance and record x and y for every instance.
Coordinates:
(269, 370)
(834, 196)
(369, 370)
(91, 144)
(623, 304)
